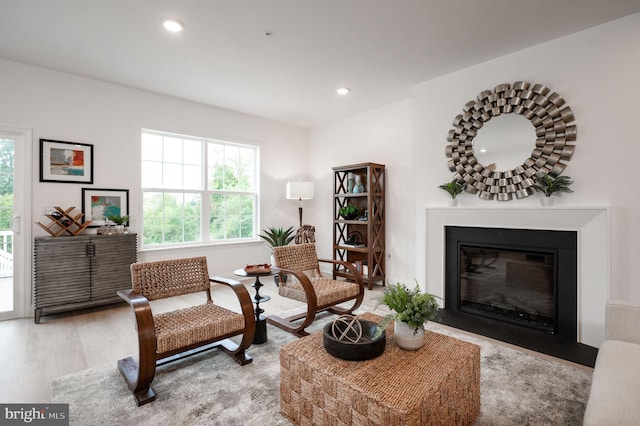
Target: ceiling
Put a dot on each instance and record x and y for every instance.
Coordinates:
(378, 48)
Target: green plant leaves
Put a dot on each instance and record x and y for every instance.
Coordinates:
(453, 188)
(277, 237)
(411, 306)
(118, 220)
(548, 185)
(350, 212)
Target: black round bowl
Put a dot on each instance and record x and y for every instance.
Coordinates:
(350, 216)
(366, 348)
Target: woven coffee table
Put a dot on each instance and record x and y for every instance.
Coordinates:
(437, 384)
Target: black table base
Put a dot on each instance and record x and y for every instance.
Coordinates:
(261, 321)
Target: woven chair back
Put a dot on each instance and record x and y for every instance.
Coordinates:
(299, 257)
(168, 278)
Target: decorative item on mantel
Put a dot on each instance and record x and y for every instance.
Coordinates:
(64, 221)
(555, 137)
(412, 309)
(453, 188)
(548, 185)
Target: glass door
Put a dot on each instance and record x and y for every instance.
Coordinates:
(7, 154)
(15, 280)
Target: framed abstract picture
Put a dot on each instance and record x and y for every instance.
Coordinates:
(67, 162)
(98, 204)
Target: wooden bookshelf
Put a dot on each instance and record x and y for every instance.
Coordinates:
(368, 254)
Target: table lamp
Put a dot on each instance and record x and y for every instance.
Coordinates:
(299, 191)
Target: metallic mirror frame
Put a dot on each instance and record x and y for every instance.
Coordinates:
(554, 131)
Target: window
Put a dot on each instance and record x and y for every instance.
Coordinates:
(197, 190)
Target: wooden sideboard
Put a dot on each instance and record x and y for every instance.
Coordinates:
(78, 272)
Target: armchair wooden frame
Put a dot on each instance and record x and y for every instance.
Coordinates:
(310, 287)
(172, 335)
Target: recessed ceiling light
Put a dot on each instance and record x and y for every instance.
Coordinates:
(343, 91)
(173, 25)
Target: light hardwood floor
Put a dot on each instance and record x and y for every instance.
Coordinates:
(31, 355)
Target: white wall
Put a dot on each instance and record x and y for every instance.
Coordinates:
(595, 71)
(66, 107)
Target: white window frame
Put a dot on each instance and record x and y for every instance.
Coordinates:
(205, 193)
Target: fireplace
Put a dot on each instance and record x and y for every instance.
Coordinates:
(515, 285)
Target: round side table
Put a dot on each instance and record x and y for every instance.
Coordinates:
(261, 321)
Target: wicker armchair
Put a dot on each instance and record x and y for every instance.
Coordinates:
(168, 336)
(309, 286)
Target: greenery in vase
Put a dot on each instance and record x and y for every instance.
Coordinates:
(548, 185)
(453, 188)
(410, 306)
(118, 220)
(277, 237)
(350, 212)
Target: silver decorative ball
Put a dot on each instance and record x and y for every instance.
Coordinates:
(347, 328)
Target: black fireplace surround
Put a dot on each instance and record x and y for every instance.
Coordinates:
(535, 308)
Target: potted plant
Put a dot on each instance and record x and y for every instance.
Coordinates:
(350, 212)
(548, 185)
(277, 237)
(453, 188)
(412, 309)
(120, 222)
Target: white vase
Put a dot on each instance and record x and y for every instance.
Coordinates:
(404, 336)
(547, 201)
(453, 202)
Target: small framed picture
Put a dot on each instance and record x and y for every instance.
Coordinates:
(98, 204)
(68, 162)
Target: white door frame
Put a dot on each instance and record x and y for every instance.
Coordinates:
(22, 254)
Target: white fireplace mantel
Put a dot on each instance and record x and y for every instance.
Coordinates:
(591, 224)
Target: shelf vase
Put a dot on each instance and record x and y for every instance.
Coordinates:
(358, 186)
(350, 184)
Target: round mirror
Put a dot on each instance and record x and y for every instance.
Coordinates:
(553, 134)
(504, 142)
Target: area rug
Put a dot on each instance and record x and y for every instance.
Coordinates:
(211, 389)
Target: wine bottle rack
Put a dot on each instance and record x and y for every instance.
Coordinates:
(64, 221)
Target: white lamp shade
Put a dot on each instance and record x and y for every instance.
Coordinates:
(299, 190)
